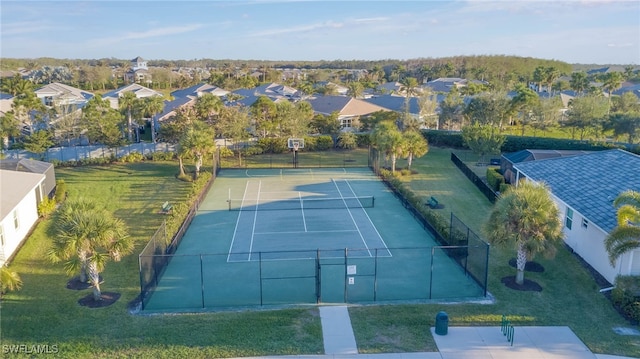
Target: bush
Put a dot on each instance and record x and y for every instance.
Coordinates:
(323, 143)
(61, 191)
(46, 207)
(494, 178)
(363, 139)
(132, 157)
(504, 187)
(626, 297)
(163, 156)
(273, 145)
(225, 152)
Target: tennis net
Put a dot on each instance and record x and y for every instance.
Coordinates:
(301, 203)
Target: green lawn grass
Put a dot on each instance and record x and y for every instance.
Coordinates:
(45, 312)
(570, 296)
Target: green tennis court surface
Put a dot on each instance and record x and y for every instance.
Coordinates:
(304, 236)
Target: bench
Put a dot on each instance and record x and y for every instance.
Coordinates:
(432, 202)
(166, 208)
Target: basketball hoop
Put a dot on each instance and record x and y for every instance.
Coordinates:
(296, 145)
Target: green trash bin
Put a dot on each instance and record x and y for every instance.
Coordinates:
(442, 323)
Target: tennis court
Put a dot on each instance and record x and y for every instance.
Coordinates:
(303, 236)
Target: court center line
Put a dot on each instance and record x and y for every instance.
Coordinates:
(255, 219)
(351, 215)
(235, 230)
(370, 221)
(304, 221)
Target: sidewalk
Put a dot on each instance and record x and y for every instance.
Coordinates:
(458, 343)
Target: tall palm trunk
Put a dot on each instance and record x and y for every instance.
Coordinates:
(181, 166)
(521, 261)
(94, 276)
(198, 165)
(83, 266)
(129, 124)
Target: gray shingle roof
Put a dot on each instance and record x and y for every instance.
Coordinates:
(588, 183)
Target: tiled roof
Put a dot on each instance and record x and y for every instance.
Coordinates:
(397, 103)
(14, 186)
(588, 183)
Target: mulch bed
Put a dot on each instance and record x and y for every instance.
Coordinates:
(108, 298)
(75, 284)
(529, 266)
(528, 285)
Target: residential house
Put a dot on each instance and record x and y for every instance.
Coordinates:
(139, 90)
(584, 187)
(198, 90)
(399, 105)
(139, 72)
(339, 89)
(508, 160)
(23, 185)
(56, 94)
(445, 84)
(349, 109)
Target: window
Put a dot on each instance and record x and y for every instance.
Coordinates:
(585, 223)
(568, 221)
(16, 222)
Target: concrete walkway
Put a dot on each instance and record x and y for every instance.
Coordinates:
(336, 331)
(458, 343)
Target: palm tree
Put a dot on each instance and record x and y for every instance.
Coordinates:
(87, 236)
(388, 139)
(414, 146)
(626, 236)
(9, 127)
(612, 82)
(9, 280)
(151, 106)
(128, 103)
(198, 141)
(525, 217)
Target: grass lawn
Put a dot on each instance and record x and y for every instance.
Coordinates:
(569, 297)
(45, 312)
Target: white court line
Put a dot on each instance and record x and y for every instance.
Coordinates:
(298, 232)
(255, 218)
(237, 220)
(370, 221)
(304, 221)
(352, 219)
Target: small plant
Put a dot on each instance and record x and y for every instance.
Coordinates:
(46, 207)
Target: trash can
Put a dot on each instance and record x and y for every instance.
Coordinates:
(442, 323)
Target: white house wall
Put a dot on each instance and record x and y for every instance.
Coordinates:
(27, 213)
(588, 243)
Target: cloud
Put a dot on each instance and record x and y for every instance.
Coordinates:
(298, 29)
(161, 31)
(24, 27)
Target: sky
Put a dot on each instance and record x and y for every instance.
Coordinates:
(573, 31)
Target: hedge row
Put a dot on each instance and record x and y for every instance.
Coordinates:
(519, 143)
(494, 178)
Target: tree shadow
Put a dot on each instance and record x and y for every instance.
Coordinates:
(107, 298)
(529, 266)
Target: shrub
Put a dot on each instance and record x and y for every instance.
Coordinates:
(363, 139)
(323, 143)
(225, 152)
(163, 156)
(504, 187)
(132, 157)
(310, 143)
(273, 145)
(61, 191)
(494, 178)
(46, 207)
(626, 297)
(252, 150)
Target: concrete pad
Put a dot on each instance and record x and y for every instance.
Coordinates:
(337, 332)
(528, 343)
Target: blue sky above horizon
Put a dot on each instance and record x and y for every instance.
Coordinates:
(586, 32)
